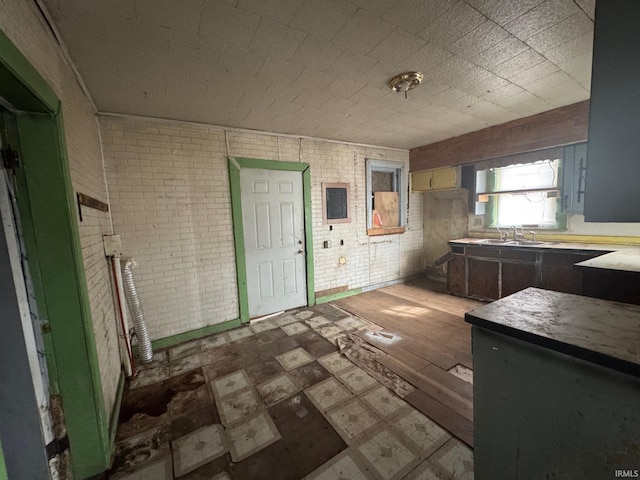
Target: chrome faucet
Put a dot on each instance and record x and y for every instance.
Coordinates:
(503, 236)
(533, 235)
(516, 235)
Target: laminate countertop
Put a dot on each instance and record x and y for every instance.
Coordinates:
(599, 331)
(622, 261)
(598, 247)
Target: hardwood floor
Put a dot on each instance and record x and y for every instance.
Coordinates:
(424, 337)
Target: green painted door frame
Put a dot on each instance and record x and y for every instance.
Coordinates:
(237, 163)
(55, 258)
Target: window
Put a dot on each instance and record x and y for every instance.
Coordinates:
(521, 195)
(386, 197)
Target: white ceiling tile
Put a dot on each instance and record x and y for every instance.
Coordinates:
(540, 86)
(579, 68)
(280, 72)
(313, 80)
(162, 13)
(323, 19)
(352, 65)
(396, 48)
(499, 94)
(499, 53)
(274, 40)
(317, 53)
(426, 58)
(527, 76)
(452, 25)
(477, 81)
(345, 88)
(588, 6)
(240, 61)
(220, 22)
(503, 12)
(545, 15)
(363, 32)
(446, 97)
(280, 11)
(414, 15)
(573, 48)
(517, 64)
(449, 70)
(561, 33)
(481, 38)
(525, 103)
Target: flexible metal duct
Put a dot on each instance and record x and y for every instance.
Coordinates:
(135, 309)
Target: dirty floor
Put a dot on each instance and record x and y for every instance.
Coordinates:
(276, 400)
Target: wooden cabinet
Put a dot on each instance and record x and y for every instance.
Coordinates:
(436, 179)
(612, 193)
(490, 272)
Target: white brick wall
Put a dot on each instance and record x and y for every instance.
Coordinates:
(21, 22)
(169, 189)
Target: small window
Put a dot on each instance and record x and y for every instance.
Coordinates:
(336, 203)
(386, 197)
(521, 195)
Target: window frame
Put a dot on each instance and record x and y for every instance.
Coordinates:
(400, 182)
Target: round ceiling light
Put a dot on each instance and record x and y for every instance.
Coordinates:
(405, 81)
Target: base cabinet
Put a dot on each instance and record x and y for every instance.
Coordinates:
(483, 279)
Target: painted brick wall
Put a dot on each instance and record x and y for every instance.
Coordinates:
(21, 22)
(170, 200)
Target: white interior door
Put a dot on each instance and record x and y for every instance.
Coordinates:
(274, 241)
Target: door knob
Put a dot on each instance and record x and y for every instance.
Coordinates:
(301, 251)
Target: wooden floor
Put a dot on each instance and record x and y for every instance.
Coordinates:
(424, 337)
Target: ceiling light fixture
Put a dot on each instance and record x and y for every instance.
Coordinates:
(405, 81)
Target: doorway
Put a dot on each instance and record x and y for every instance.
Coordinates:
(271, 205)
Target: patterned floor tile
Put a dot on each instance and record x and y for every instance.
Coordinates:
(152, 375)
(357, 380)
(277, 389)
(388, 456)
(352, 420)
(184, 350)
(159, 358)
(424, 433)
(351, 323)
(198, 448)
(336, 362)
(252, 436)
(329, 331)
(344, 466)
(161, 469)
(238, 334)
(213, 341)
(384, 402)
(263, 325)
(294, 359)
(230, 384)
(184, 364)
(295, 328)
(454, 459)
(283, 320)
(327, 394)
(236, 407)
(304, 314)
(318, 321)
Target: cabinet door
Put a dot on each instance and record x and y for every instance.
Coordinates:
(559, 273)
(421, 181)
(456, 275)
(517, 276)
(483, 279)
(444, 178)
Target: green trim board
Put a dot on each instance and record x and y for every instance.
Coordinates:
(237, 163)
(3, 468)
(338, 296)
(115, 412)
(53, 245)
(195, 334)
(22, 85)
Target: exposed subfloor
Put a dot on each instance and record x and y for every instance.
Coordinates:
(277, 400)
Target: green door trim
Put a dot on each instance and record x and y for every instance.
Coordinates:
(57, 257)
(237, 163)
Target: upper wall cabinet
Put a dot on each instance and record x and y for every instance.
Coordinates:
(436, 179)
(613, 160)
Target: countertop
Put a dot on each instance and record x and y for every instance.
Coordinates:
(599, 331)
(598, 247)
(622, 261)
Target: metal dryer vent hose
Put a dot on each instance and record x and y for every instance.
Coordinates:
(135, 309)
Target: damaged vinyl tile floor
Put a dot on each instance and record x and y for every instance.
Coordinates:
(277, 400)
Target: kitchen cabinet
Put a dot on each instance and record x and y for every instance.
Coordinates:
(555, 387)
(490, 272)
(613, 160)
(436, 179)
(615, 276)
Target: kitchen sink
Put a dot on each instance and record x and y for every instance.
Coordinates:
(496, 241)
(528, 242)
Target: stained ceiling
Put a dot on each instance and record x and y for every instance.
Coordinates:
(320, 68)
